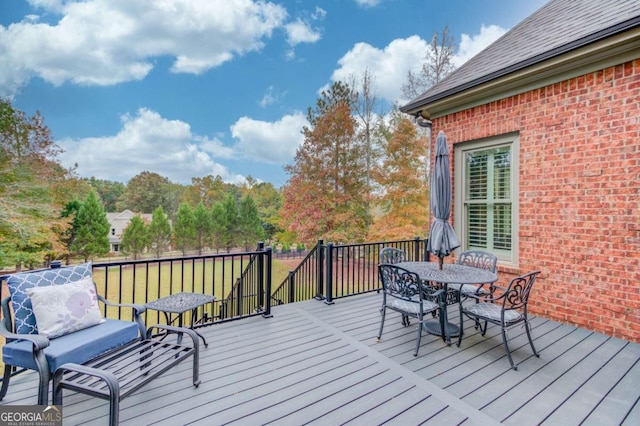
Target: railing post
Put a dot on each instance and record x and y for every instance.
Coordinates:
(319, 270)
(267, 310)
(329, 275)
(416, 248)
(427, 255)
(261, 301)
(292, 281)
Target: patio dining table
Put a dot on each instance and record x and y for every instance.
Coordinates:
(449, 274)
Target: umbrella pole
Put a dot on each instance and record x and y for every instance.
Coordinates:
(440, 259)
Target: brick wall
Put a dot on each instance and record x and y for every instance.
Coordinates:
(579, 193)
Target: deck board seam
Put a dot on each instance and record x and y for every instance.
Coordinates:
(477, 416)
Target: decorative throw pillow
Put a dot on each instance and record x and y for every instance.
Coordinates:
(25, 321)
(62, 309)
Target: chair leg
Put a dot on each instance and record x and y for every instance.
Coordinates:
(461, 325)
(382, 312)
(533, 348)
(506, 347)
(419, 337)
(8, 369)
(405, 320)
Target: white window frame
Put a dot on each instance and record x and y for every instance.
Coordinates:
(511, 140)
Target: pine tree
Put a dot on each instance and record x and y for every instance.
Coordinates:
(326, 196)
(230, 215)
(250, 229)
(159, 231)
(92, 236)
(202, 226)
(184, 229)
(135, 238)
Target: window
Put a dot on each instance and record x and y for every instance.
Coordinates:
(486, 194)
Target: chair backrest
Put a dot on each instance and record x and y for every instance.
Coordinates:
(24, 321)
(479, 259)
(517, 294)
(392, 255)
(398, 282)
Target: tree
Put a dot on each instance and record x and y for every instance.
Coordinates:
(110, 192)
(230, 221)
(146, 191)
(208, 190)
(218, 226)
(250, 230)
(159, 231)
(135, 238)
(184, 230)
(437, 65)
(405, 200)
(31, 189)
(268, 201)
(326, 194)
(365, 103)
(70, 212)
(202, 226)
(92, 235)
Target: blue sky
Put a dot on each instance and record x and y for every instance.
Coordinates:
(190, 88)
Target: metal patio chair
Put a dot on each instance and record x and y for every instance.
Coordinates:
(476, 259)
(392, 255)
(404, 292)
(506, 310)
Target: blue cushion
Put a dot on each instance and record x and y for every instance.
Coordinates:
(79, 346)
(24, 319)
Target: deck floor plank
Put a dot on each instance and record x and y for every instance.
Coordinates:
(321, 363)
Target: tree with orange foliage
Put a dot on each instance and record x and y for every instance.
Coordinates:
(326, 194)
(404, 201)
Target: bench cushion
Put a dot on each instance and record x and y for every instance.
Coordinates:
(24, 319)
(78, 347)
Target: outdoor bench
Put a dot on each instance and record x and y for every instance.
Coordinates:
(52, 321)
(120, 372)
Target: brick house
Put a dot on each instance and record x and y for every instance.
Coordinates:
(544, 131)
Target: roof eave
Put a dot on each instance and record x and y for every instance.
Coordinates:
(615, 44)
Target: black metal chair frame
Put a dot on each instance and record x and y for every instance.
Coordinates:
(482, 260)
(409, 297)
(392, 255)
(506, 310)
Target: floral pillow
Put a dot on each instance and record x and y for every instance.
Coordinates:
(62, 309)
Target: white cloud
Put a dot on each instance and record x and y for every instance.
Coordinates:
(301, 32)
(472, 45)
(389, 65)
(270, 142)
(270, 97)
(148, 142)
(367, 3)
(104, 42)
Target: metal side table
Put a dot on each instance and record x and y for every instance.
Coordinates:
(178, 304)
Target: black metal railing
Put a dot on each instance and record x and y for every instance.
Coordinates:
(239, 281)
(332, 271)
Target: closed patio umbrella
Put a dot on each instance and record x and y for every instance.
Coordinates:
(442, 238)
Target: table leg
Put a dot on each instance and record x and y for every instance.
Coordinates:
(435, 327)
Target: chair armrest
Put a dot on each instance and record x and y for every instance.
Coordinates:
(39, 342)
(138, 310)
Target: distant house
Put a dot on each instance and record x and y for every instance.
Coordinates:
(118, 222)
(544, 131)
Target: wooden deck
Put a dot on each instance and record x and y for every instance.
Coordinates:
(314, 363)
